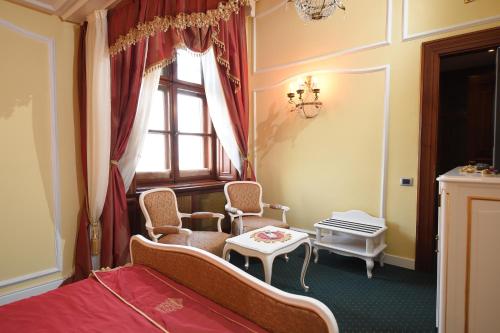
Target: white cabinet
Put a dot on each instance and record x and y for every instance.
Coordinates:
(469, 250)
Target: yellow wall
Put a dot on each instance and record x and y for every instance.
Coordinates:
(28, 209)
(334, 161)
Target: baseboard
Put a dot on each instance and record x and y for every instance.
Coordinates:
(29, 292)
(389, 259)
(403, 262)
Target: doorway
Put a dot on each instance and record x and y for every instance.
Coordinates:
(456, 78)
(466, 109)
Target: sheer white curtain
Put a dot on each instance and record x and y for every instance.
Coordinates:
(130, 158)
(217, 107)
(98, 120)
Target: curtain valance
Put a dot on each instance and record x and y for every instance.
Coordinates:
(166, 25)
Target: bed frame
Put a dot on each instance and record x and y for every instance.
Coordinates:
(227, 285)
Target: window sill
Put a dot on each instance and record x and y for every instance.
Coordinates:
(193, 186)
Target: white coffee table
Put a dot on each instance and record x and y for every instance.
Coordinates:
(266, 244)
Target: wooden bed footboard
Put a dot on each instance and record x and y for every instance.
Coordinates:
(227, 285)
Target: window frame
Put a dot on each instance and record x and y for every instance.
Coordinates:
(214, 156)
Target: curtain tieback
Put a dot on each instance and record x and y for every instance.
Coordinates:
(114, 162)
(95, 238)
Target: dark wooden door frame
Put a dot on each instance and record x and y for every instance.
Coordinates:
(429, 111)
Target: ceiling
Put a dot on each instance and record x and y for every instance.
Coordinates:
(68, 10)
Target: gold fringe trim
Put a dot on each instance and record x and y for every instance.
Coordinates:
(181, 21)
(160, 65)
(221, 60)
(221, 49)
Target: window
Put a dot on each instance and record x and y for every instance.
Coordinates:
(181, 145)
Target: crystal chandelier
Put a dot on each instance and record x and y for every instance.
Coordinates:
(310, 10)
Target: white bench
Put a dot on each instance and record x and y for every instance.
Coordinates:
(353, 233)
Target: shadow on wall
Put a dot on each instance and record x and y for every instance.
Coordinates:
(19, 102)
(280, 125)
(23, 100)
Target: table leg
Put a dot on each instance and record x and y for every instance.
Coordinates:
(381, 259)
(369, 267)
(316, 254)
(304, 266)
(226, 253)
(267, 262)
(247, 263)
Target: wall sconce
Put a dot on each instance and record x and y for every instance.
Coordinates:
(307, 100)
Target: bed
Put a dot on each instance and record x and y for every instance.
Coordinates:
(168, 288)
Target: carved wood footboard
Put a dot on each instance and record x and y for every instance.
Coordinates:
(227, 285)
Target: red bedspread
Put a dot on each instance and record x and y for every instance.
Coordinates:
(129, 299)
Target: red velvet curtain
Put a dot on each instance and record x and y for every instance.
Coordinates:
(160, 26)
(83, 264)
(127, 69)
(234, 30)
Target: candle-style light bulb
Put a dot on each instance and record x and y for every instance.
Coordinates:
(291, 88)
(300, 84)
(315, 82)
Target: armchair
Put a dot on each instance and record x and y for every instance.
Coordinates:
(164, 222)
(245, 207)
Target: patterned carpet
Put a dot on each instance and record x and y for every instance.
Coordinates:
(394, 300)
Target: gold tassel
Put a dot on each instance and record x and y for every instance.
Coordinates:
(95, 241)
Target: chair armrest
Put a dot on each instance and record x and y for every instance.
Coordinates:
(276, 206)
(208, 215)
(233, 210)
(166, 230)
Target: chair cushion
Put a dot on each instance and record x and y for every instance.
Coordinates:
(210, 241)
(245, 197)
(255, 222)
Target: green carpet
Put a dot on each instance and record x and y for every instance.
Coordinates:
(394, 300)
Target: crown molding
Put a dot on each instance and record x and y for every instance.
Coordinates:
(74, 11)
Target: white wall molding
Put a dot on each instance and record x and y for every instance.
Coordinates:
(389, 259)
(29, 292)
(387, 41)
(385, 132)
(50, 42)
(407, 36)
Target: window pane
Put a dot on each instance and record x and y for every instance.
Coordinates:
(191, 152)
(154, 154)
(157, 114)
(189, 114)
(188, 67)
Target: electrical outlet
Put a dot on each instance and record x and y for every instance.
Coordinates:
(406, 181)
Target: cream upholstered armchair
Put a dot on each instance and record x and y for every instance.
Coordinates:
(245, 207)
(164, 222)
